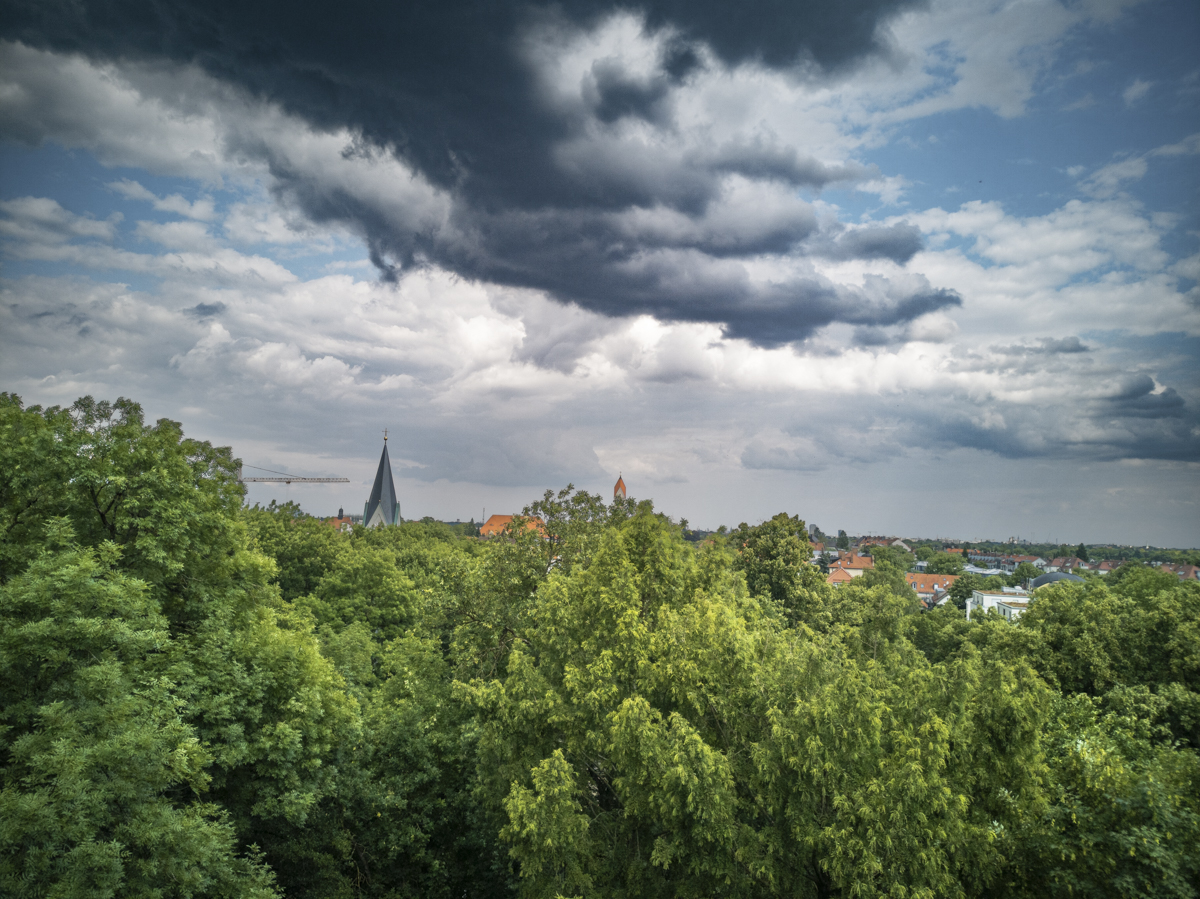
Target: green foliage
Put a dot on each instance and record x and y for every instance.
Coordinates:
(892, 555)
(774, 556)
(940, 632)
(198, 699)
(367, 586)
(945, 563)
(1124, 820)
(102, 778)
(305, 549)
(652, 743)
(1141, 633)
(572, 522)
(167, 501)
(962, 588)
(243, 678)
(1025, 571)
(888, 575)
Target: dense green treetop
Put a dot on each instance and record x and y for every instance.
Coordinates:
(103, 777)
(946, 563)
(198, 699)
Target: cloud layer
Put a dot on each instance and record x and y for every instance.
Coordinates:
(578, 150)
(572, 243)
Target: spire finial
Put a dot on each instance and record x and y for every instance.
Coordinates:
(385, 435)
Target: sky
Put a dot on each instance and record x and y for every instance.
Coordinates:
(922, 269)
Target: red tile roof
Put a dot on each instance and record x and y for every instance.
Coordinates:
(496, 524)
(853, 561)
(925, 583)
(839, 576)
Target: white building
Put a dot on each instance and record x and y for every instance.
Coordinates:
(1011, 603)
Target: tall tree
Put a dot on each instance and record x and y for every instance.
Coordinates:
(102, 779)
(248, 675)
(656, 734)
(774, 556)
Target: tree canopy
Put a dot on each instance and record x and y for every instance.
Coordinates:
(200, 699)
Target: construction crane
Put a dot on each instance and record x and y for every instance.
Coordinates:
(287, 478)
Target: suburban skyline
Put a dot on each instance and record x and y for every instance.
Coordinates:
(923, 269)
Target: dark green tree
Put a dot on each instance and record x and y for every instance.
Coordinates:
(962, 588)
(304, 548)
(946, 563)
(247, 675)
(102, 781)
(1025, 571)
(774, 556)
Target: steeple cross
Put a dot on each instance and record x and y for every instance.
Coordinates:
(385, 435)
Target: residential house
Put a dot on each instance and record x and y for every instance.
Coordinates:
(838, 577)
(1183, 572)
(1064, 563)
(344, 523)
(1007, 562)
(496, 524)
(1011, 602)
(984, 572)
(853, 563)
(931, 589)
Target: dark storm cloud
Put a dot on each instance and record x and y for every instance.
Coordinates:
(1047, 346)
(540, 196)
(1135, 398)
(898, 242)
(1142, 427)
(205, 310)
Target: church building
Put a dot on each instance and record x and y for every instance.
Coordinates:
(383, 507)
(619, 488)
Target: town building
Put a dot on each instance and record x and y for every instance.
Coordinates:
(619, 488)
(1006, 562)
(1054, 577)
(344, 523)
(838, 576)
(931, 589)
(1064, 563)
(496, 524)
(1011, 602)
(852, 563)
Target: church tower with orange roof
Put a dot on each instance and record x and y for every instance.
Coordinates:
(619, 488)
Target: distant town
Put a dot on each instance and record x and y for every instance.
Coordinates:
(980, 577)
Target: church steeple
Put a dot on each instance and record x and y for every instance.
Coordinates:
(382, 507)
(619, 488)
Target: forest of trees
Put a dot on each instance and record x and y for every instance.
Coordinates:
(200, 699)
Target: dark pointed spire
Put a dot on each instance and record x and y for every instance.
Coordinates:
(382, 507)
